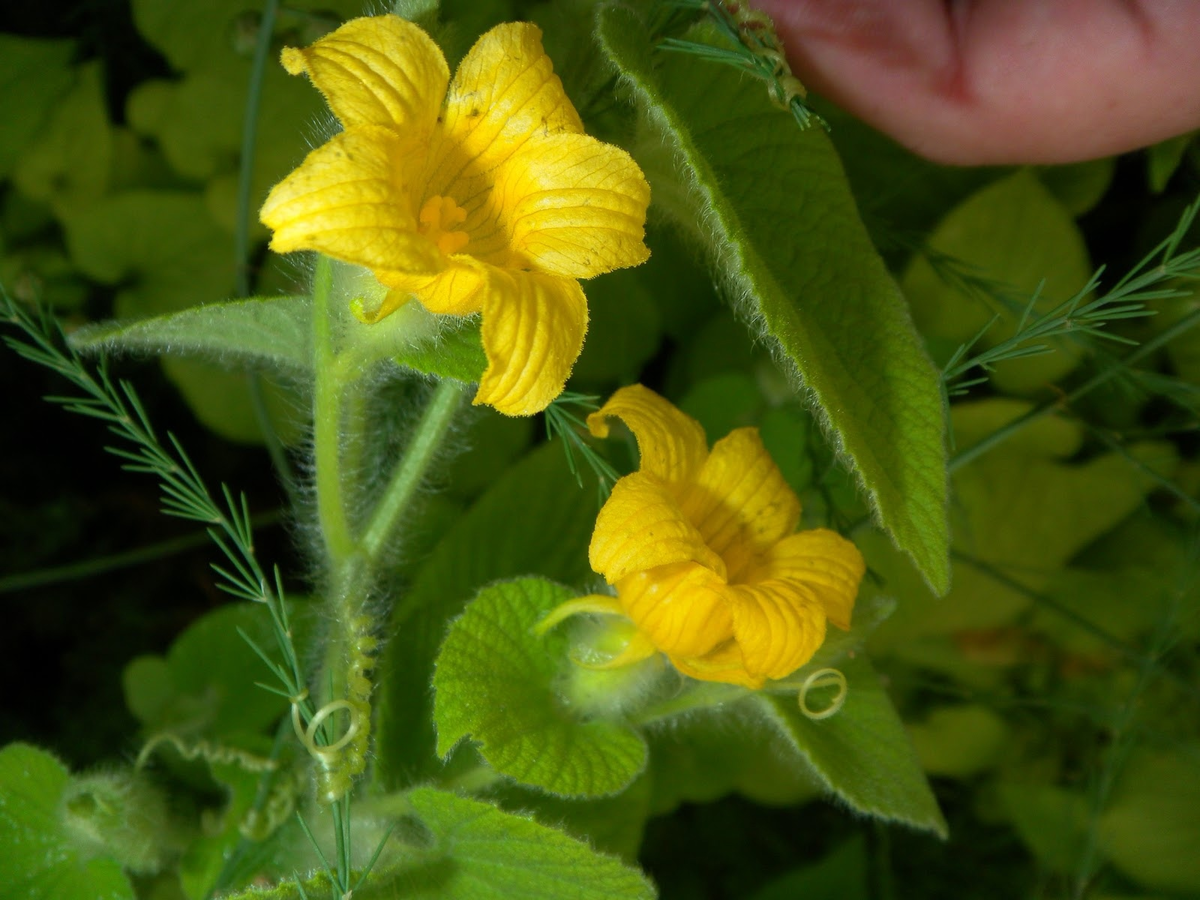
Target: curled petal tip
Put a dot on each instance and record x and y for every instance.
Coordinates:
(293, 61)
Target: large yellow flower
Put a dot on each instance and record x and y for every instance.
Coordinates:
(483, 197)
(703, 550)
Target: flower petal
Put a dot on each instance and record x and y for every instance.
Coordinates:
(722, 663)
(740, 501)
(640, 527)
(377, 70)
(533, 329)
(778, 626)
(504, 92)
(349, 200)
(822, 560)
(574, 206)
(454, 291)
(671, 443)
(682, 607)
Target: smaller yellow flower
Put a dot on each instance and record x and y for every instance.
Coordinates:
(479, 194)
(703, 550)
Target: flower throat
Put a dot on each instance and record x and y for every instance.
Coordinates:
(437, 219)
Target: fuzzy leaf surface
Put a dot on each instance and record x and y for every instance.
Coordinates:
(495, 680)
(259, 331)
(455, 353)
(781, 225)
(38, 859)
(463, 849)
(862, 753)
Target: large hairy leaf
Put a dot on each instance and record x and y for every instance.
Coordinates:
(495, 682)
(772, 205)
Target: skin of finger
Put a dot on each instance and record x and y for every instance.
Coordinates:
(1003, 81)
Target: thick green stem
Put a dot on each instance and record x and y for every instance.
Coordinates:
(354, 558)
(406, 479)
(327, 420)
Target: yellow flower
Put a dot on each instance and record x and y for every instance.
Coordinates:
(477, 195)
(703, 550)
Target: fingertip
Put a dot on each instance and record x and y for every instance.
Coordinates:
(1002, 81)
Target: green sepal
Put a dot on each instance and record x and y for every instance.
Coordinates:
(862, 754)
(269, 332)
(410, 336)
(39, 858)
(495, 681)
(782, 227)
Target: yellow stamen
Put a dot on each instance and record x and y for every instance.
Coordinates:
(437, 219)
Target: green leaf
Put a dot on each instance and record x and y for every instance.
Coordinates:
(205, 684)
(1163, 158)
(901, 195)
(455, 848)
(960, 741)
(535, 519)
(862, 753)
(221, 400)
(1051, 821)
(1079, 186)
(722, 403)
(786, 434)
(197, 123)
(1015, 235)
(191, 35)
(1020, 510)
(34, 74)
(710, 753)
(840, 875)
(160, 247)
(38, 859)
(494, 681)
(1151, 828)
(166, 254)
(266, 331)
(494, 442)
(69, 163)
(479, 852)
(624, 328)
(455, 352)
(613, 825)
(782, 228)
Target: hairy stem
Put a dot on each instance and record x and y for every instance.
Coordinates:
(327, 417)
(406, 479)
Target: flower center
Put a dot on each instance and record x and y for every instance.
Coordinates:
(437, 219)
